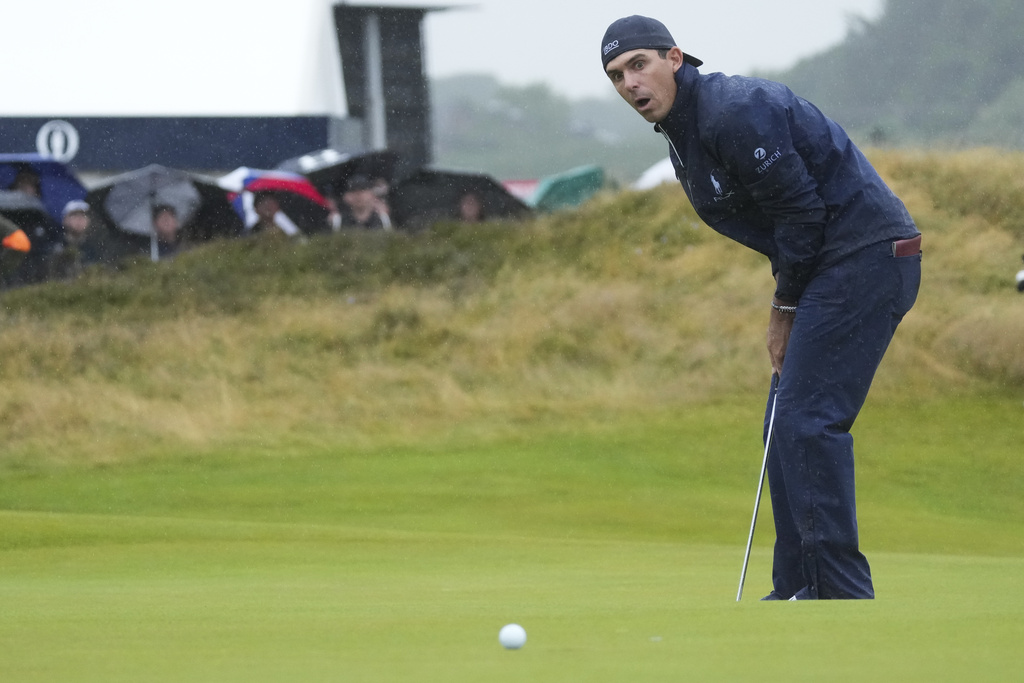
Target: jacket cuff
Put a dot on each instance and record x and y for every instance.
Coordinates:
(789, 289)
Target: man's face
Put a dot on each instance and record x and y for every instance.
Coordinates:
(470, 208)
(76, 223)
(166, 225)
(360, 199)
(266, 208)
(646, 81)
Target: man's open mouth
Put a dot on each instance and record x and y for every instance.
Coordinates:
(642, 102)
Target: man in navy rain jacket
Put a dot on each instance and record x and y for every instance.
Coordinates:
(767, 169)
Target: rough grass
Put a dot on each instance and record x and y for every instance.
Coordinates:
(628, 303)
(625, 306)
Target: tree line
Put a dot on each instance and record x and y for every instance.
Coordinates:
(944, 73)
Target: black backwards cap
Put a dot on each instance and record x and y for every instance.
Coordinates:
(638, 33)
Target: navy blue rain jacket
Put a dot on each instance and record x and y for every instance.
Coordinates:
(769, 170)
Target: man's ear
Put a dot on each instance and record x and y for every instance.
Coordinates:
(676, 57)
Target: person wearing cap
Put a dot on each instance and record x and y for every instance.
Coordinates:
(77, 246)
(363, 205)
(767, 169)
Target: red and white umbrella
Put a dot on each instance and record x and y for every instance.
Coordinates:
(299, 198)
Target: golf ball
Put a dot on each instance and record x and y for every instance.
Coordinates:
(512, 636)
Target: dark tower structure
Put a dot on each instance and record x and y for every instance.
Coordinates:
(381, 51)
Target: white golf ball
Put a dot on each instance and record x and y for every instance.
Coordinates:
(512, 636)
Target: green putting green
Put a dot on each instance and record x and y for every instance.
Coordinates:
(618, 549)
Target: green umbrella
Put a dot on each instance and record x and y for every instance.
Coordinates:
(567, 189)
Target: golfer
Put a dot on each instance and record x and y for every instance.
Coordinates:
(767, 169)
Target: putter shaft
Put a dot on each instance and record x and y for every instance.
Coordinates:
(760, 485)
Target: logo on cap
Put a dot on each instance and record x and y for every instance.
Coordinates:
(611, 46)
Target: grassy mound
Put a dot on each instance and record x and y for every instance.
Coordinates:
(629, 304)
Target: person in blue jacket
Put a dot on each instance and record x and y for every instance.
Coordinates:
(766, 168)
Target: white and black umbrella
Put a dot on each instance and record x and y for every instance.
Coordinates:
(128, 200)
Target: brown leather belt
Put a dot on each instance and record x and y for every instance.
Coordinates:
(908, 247)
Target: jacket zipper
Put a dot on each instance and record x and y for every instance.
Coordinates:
(671, 144)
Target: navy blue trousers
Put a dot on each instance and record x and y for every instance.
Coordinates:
(844, 323)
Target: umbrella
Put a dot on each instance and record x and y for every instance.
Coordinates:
(661, 172)
(127, 202)
(330, 170)
(57, 184)
(434, 194)
(299, 199)
(30, 215)
(569, 188)
(25, 210)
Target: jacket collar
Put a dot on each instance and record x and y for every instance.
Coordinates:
(683, 112)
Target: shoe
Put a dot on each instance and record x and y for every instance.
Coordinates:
(804, 594)
(772, 596)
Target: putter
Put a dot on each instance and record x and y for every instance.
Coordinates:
(760, 484)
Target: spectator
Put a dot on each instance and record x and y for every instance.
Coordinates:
(364, 206)
(28, 181)
(167, 232)
(270, 219)
(40, 230)
(381, 189)
(471, 208)
(15, 244)
(77, 247)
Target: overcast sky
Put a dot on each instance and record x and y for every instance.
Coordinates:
(278, 57)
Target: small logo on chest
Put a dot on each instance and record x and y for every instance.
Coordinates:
(720, 194)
